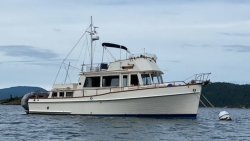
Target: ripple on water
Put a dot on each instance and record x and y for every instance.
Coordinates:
(15, 125)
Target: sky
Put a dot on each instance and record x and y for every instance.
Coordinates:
(188, 37)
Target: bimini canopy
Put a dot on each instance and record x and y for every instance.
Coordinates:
(114, 46)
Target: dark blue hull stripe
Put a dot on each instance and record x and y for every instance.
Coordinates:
(148, 115)
(132, 115)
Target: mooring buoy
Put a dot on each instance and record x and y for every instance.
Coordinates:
(224, 115)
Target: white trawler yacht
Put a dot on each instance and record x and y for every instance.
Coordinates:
(129, 87)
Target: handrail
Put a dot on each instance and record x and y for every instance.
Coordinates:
(201, 78)
(184, 82)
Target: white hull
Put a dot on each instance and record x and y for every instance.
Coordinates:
(180, 101)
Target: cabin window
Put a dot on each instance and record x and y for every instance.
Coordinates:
(146, 79)
(61, 94)
(134, 80)
(109, 81)
(125, 81)
(155, 78)
(54, 94)
(92, 82)
(69, 94)
(160, 79)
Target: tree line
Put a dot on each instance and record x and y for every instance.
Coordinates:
(222, 94)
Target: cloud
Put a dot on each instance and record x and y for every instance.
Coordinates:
(237, 48)
(23, 61)
(28, 51)
(53, 62)
(174, 61)
(235, 34)
(114, 3)
(179, 32)
(164, 70)
(190, 45)
(238, 1)
(57, 29)
(187, 45)
(45, 64)
(205, 45)
(149, 2)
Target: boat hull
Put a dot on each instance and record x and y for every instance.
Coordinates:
(180, 102)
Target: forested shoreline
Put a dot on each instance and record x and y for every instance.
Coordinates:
(220, 94)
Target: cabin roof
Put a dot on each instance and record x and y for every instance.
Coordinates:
(132, 65)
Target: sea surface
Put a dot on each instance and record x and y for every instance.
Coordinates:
(15, 125)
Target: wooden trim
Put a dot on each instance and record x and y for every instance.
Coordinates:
(127, 67)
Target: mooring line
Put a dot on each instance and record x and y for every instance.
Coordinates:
(208, 101)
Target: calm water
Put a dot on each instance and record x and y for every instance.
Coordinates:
(16, 125)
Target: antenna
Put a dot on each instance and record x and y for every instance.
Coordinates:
(91, 35)
(120, 53)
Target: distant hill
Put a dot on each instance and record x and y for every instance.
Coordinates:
(222, 94)
(18, 91)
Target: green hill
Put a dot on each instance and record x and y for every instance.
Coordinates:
(18, 91)
(222, 94)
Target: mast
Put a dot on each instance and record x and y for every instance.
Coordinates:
(91, 35)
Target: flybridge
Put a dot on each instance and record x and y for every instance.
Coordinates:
(148, 55)
(129, 64)
(138, 62)
(135, 62)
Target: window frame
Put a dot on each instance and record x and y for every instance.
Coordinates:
(146, 78)
(66, 95)
(53, 94)
(103, 78)
(130, 82)
(95, 86)
(126, 80)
